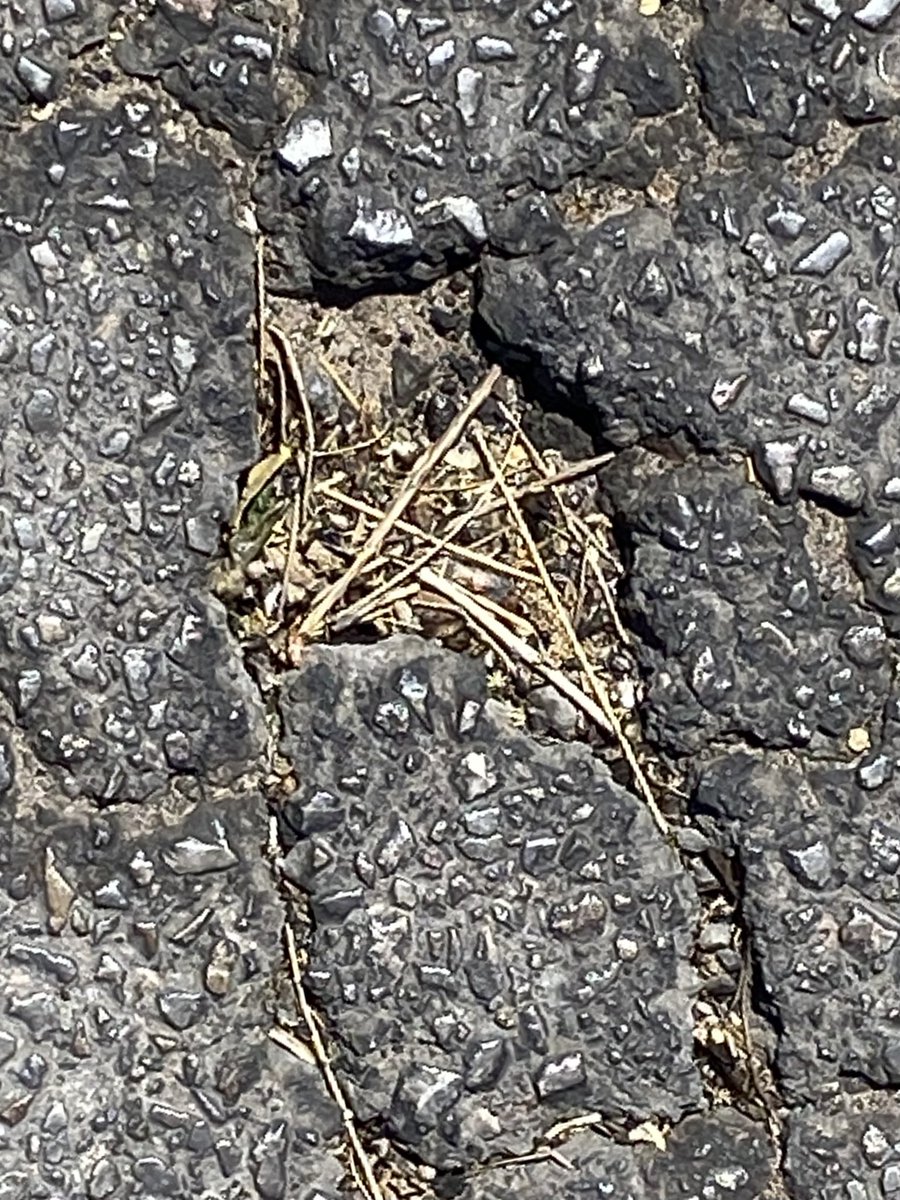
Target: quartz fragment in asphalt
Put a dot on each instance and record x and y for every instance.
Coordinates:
(819, 855)
(134, 1048)
(719, 1156)
(761, 318)
(737, 635)
(501, 935)
(437, 117)
(127, 383)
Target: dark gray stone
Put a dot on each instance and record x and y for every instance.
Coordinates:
(740, 635)
(135, 1057)
(127, 413)
(819, 858)
(501, 934)
(760, 318)
(775, 74)
(220, 59)
(846, 1149)
(422, 124)
(38, 38)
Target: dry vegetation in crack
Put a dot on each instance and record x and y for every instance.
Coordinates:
(473, 537)
(361, 520)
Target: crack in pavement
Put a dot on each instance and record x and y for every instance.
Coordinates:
(138, 921)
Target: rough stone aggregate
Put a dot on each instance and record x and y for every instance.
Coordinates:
(500, 938)
(760, 317)
(127, 414)
(432, 131)
(818, 846)
(38, 38)
(138, 956)
(850, 1148)
(221, 60)
(740, 637)
(775, 74)
(500, 932)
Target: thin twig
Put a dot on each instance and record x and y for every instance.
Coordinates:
(334, 375)
(533, 1156)
(283, 342)
(537, 558)
(592, 558)
(550, 480)
(324, 1064)
(566, 476)
(261, 320)
(472, 607)
(372, 606)
(294, 1045)
(443, 542)
(354, 447)
(335, 592)
(438, 544)
(637, 771)
(521, 626)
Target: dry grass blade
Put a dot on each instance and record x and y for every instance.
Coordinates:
(354, 447)
(550, 483)
(472, 607)
(335, 592)
(261, 473)
(551, 479)
(592, 560)
(283, 343)
(550, 588)
(521, 626)
(440, 604)
(290, 1042)
(591, 1120)
(261, 318)
(360, 1156)
(438, 545)
(641, 782)
(380, 602)
(296, 509)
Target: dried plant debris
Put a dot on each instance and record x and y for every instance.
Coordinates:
(138, 959)
(501, 935)
(721, 1156)
(126, 380)
(431, 132)
(457, 497)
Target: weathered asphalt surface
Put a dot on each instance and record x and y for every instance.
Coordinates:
(501, 938)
